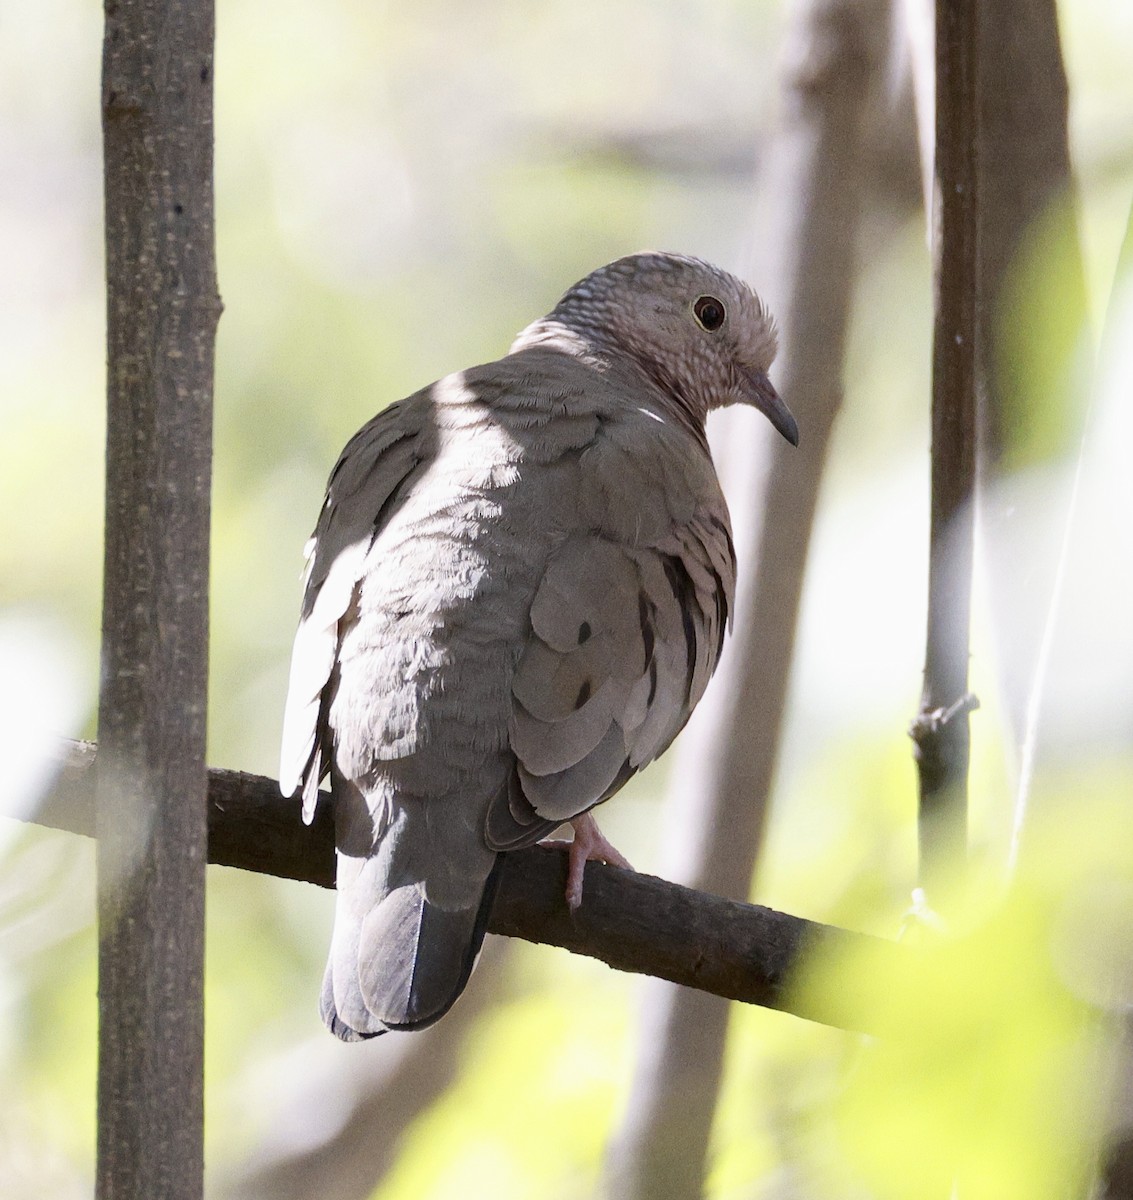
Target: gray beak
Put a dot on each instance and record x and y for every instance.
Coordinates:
(759, 393)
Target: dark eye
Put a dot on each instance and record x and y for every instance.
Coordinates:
(709, 312)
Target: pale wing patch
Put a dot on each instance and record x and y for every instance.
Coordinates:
(379, 459)
(312, 660)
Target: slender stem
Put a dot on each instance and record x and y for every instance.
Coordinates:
(941, 728)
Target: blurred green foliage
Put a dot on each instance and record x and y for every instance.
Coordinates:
(400, 189)
(995, 1066)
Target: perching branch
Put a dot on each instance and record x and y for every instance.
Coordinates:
(629, 921)
(940, 731)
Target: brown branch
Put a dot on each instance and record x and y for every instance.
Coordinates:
(631, 922)
(162, 309)
(940, 732)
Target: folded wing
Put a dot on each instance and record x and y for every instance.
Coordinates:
(623, 641)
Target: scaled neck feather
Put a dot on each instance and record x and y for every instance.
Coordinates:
(603, 354)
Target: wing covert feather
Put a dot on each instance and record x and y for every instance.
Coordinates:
(623, 641)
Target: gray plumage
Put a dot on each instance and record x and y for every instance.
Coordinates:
(515, 595)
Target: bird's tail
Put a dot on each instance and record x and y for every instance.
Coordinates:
(399, 959)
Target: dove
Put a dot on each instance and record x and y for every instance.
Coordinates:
(515, 594)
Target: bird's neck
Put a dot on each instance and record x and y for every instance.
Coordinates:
(550, 334)
(591, 348)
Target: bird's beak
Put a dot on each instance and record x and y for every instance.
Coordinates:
(759, 393)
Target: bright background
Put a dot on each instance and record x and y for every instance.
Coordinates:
(400, 188)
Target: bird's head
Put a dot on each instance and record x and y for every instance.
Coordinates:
(702, 335)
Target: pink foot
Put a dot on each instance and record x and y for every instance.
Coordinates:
(589, 844)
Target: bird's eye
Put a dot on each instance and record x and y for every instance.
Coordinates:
(709, 312)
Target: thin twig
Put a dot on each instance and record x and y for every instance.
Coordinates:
(1029, 746)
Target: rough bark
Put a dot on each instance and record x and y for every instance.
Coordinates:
(162, 308)
(632, 922)
(726, 758)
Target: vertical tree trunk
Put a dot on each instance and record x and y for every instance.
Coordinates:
(162, 308)
(726, 758)
(1031, 294)
(941, 728)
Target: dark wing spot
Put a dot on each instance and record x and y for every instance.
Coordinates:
(715, 520)
(584, 632)
(645, 619)
(721, 614)
(684, 592)
(652, 681)
(583, 695)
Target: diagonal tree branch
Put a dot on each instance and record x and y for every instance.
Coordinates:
(629, 921)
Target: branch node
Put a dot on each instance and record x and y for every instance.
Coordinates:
(929, 724)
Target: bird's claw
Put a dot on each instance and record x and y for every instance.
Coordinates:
(589, 844)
